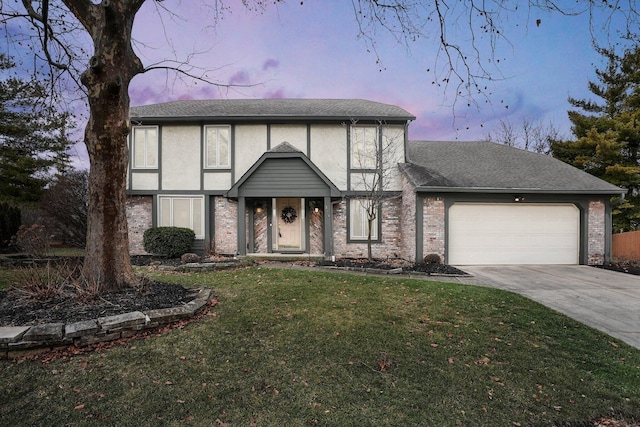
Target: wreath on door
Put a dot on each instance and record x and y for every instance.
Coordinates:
(289, 214)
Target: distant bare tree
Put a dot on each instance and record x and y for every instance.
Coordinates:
(528, 135)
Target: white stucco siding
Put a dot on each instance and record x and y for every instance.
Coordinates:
(362, 181)
(181, 158)
(329, 152)
(250, 144)
(144, 181)
(295, 135)
(217, 181)
(393, 152)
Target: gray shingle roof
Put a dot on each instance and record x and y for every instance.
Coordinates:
(482, 166)
(284, 147)
(290, 109)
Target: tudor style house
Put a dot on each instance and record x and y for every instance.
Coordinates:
(298, 176)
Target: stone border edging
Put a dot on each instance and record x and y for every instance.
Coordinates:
(16, 341)
(393, 271)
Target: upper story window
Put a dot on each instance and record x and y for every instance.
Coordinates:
(364, 147)
(217, 147)
(145, 147)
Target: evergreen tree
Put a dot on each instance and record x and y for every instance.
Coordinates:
(33, 137)
(607, 133)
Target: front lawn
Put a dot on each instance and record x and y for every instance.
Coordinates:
(299, 348)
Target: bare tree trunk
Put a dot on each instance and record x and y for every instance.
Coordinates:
(369, 253)
(107, 79)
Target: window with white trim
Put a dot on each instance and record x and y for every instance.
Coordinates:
(358, 220)
(217, 147)
(144, 147)
(182, 211)
(364, 147)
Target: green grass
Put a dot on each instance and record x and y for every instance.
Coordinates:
(299, 348)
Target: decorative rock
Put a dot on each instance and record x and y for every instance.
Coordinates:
(16, 341)
(163, 315)
(94, 339)
(12, 333)
(196, 266)
(45, 332)
(189, 258)
(82, 328)
(111, 323)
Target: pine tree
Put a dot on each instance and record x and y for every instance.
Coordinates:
(607, 133)
(33, 138)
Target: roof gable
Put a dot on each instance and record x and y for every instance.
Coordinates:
(283, 172)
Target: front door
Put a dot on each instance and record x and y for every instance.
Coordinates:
(289, 223)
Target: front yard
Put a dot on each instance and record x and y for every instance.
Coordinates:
(300, 348)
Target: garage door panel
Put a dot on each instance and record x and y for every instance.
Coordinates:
(513, 234)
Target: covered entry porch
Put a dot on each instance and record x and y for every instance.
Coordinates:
(285, 205)
(286, 225)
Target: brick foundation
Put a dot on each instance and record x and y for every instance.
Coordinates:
(390, 245)
(139, 218)
(260, 228)
(433, 231)
(226, 226)
(408, 220)
(316, 232)
(596, 242)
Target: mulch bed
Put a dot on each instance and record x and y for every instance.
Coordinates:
(19, 309)
(392, 264)
(622, 267)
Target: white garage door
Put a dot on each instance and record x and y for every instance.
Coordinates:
(513, 234)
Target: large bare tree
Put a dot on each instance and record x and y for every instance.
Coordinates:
(89, 43)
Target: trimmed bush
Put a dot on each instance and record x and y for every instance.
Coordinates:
(432, 259)
(168, 241)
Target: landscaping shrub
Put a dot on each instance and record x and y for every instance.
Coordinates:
(43, 284)
(33, 240)
(169, 241)
(9, 223)
(432, 259)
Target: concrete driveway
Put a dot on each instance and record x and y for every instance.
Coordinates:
(605, 300)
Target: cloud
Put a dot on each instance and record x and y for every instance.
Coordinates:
(270, 63)
(145, 95)
(277, 94)
(240, 78)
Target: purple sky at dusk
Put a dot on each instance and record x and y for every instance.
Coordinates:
(312, 50)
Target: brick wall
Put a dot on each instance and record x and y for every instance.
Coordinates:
(408, 220)
(260, 241)
(390, 245)
(597, 235)
(316, 232)
(226, 226)
(139, 218)
(433, 231)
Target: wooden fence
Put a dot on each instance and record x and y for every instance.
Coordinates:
(626, 246)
